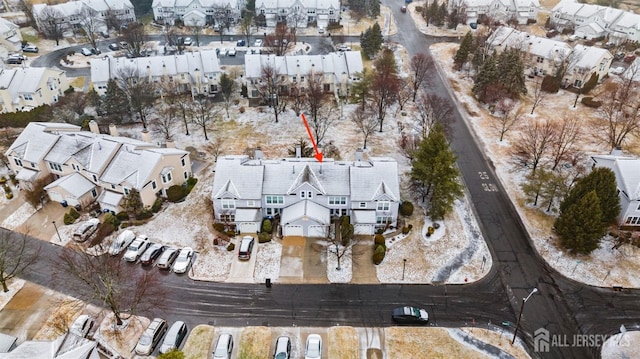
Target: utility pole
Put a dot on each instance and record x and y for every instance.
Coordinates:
(524, 300)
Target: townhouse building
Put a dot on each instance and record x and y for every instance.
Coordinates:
(522, 11)
(10, 37)
(197, 12)
(299, 13)
(24, 88)
(627, 171)
(71, 15)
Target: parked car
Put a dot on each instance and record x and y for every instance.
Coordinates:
(313, 350)
(222, 52)
(85, 51)
(629, 58)
(344, 48)
(123, 44)
(187, 41)
(174, 337)
(136, 248)
(257, 43)
(241, 43)
(283, 348)
(184, 259)
(224, 347)
(30, 48)
(619, 56)
(82, 325)
(95, 51)
(151, 336)
(151, 254)
(15, 59)
(572, 38)
(114, 47)
(104, 34)
(231, 52)
(85, 230)
(410, 315)
(321, 30)
(246, 246)
(167, 258)
(403, 9)
(122, 241)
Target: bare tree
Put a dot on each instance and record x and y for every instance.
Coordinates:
(112, 20)
(433, 109)
(408, 144)
(343, 240)
(196, 25)
(319, 105)
(620, 112)
(421, 68)
(366, 121)
(247, 28)
(16, 256)
(564, 145)
(134, 35)
(140, 91)
(385, 86)
(508, 117)
(120, 286)
(405, 94)
(535, 140)
(174, 40)
(269, 87)
(167, 116)
(564, 61)
(294, 20)
(228, 88)
(203, 113)
(221, 17)
(90, 25)
(51, 23)
(280, 42)
(538, 93)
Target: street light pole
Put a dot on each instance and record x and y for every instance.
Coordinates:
(404, 265)
(524, 300)
(58, 233)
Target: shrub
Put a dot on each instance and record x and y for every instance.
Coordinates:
(144, 215)
(68, 219)
(113, 220)
(590, 102)
(241, 109)
(379, 231)
(219, 227)
(264, 237)
(68, 90)
(405, 230)
(231, 233)
(175, 193)
(215, 241)
(378, 239)
(435, 225)
(550, 84)
(267, 226)
(406, 208)
(8, 195)
(12, 177)
(155, 208)
(3, 180)
(378, 254)
(231, 247)
(430, 231)
(74, 213)
(531, 21)
(191, 182)
(123, 216)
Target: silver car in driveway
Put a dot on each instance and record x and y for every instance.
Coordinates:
(184, 259)
(174, 337)
(224, 347)
(313, 349)
(135, 250)
(121, 242)
(167, 258)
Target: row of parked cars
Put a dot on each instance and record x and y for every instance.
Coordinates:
(141, 248)
(158, 330)
(313, 348)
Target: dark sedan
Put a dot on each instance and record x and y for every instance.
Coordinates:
(152, 253)
(410, 315)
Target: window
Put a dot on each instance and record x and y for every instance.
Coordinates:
(337, 212)
(228, 203)
(338, 200)
(75, 167)
(95, 179)
(363, 205)
(166, 177)
(384, 206)
(302, 194)
(306, 194)
(183, 162)
(127, 191)
(94, 193)
(383, 220)
(186, 174)
(55, 166)
(113, 186)
(251, 203)
(154, 185)
(275, 199)
(272, 211)
(228, 217)
(18, 162)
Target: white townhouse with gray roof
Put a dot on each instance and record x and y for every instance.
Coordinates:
(542, 55)
(87, 166)
(197, 12)
(197, 72)
(305, 194)
(627, 171)
(339, 70)
(593, 21)
(520, 10)
(10, 38)
(299, 13)
(70, 15)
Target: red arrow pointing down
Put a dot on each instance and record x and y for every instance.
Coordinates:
(318, 155)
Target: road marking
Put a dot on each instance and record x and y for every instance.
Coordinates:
(490, 187)
(483, 175)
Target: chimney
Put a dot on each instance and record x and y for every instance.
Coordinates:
(93, 127)
(258, 153)
(616, 151)
(298, 150)
(170, 143)
(146, 136)
(113, 130)
(359, 154)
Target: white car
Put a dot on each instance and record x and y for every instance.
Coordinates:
(224, 347)
(121, 242)
(231, 52)
(82, 325)
(167, 258)
(313, 349)
(258, 43)
(187, 41)
(223, 52)
(136, 248)
(86, 229)
(85, 51)
(184, 259)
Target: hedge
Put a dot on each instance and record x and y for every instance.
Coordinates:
(264, 237)
(406, 208)
(378, 254)
(590, 102)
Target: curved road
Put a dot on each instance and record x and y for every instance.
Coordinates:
(561, 306)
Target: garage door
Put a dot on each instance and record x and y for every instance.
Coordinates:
(55, 196)
(248, 227)
(292, 230)
(363, 229)
(317, 231)
(72, 201)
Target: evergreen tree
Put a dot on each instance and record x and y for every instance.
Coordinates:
(580, 225)
(115, 102)
(487, 75)
(361, 90)
(133, 204)
(431, 11)
(93, 99)
(590, 84)
(441, 15)
(463, 51)
(434, 173)
(512, 79)
(371, 41)
(603, 182)
(534, 184)
(374, 8)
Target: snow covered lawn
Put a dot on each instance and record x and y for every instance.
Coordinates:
(121, 340)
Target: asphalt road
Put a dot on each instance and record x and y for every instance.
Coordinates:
(561, 306)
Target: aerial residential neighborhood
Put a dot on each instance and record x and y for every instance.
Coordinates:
(319, 179)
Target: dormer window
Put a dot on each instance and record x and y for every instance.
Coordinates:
(305, 194)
